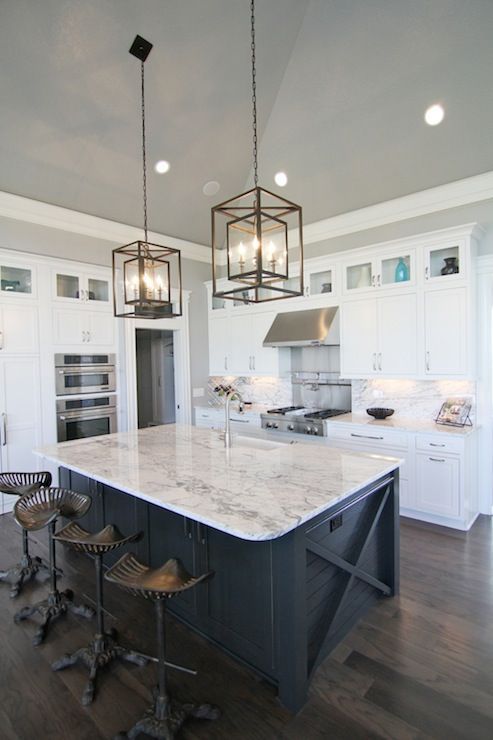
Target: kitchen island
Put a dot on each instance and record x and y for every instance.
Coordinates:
(302, 538)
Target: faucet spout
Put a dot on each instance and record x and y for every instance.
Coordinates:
(232, 396)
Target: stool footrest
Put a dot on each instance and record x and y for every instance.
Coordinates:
(98, 654)
(19, 574)
(56, 605)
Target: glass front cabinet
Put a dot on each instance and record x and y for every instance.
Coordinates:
(393, 270)
(75, 287)
(16, 280)
(444, 263)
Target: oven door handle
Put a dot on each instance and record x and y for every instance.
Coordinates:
(85, 417)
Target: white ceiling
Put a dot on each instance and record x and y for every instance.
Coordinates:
(342, 87)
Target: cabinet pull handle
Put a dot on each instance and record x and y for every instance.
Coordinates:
(88, 336)
(435, 444)
(200, 534)
(364, 436)
(250, 362)
(379, 360)
(373, 281)
(374, 360)
(427, 273)
(1, 339)
(427, 356)
(83, 336)
(225, 362)
(4, 429)
(437, 459)
(253, 362)
(186, 528)
(379, 284)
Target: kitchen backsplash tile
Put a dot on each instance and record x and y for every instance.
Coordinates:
(266, 391)
(415, 399)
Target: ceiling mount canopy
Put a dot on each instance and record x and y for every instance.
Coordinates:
(146, 276)
(256, 235)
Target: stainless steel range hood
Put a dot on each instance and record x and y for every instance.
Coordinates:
(316, 326)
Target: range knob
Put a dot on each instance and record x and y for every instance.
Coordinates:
(308, 430)
(275, 425)
(290, 427)
(269, 425)
(315, 430)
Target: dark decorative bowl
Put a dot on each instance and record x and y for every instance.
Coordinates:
(379, 413)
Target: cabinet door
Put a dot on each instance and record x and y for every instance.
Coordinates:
(236, 604)
(438, 484)
(241, 344)
(174, 536)
(97, 292)
(100, 329)
(69, 327)
(18, 329)
(219, 360)
(359, 338)
(265, 360)
(397, 332)
(129, 514)
(67, 286)
(93, 521)
(20, 417)
(445, 332)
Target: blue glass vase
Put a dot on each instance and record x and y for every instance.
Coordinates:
(401, 271)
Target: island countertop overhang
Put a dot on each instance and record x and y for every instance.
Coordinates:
(253, 494)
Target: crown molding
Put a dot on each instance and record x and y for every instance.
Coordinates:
(452, 195)
(55, 217)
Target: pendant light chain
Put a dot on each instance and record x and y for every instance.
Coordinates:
(144, 165)
(254, 96)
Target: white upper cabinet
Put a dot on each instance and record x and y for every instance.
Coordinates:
(445, 263)
(445, 329)
(379, 337)
(73, 328)
(219, 345)
(79, 288)
(394, 269)
(16, 280)
(18, 328)
(248, 355)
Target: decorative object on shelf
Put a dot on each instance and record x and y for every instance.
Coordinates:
(146, 275)
(455, 412)
(256, 234)
(326, 288)
(364, 279)
(379, 413)
(451, 266)
(401, 271)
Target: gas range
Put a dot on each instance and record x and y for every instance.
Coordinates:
(299, 420)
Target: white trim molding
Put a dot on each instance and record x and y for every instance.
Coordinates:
(452, 195)
(55, 217)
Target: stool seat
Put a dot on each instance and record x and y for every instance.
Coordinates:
(97, 543)
(18, 484)
(21, 484)
(166, 581)
(41, 507)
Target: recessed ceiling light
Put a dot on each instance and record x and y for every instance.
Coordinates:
(434, 114)
(162, 166)
(281, 179)
(211, 187)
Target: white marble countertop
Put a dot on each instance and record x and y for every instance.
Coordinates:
(249, 408)
(403, 424)
(254, 494)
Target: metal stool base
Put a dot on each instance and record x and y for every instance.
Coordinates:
(165, 718)
(19, 574)
(55, 606)
(98, 654)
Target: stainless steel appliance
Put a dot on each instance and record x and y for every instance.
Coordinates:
(84, 374)
(85, 417)
(299, 420)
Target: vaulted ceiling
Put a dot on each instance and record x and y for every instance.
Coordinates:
(342, 87)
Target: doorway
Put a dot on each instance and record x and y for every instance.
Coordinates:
(154, 354)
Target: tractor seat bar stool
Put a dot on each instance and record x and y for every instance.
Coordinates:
(19, 484)
(37, 510)
(103, 649)
(164, 719)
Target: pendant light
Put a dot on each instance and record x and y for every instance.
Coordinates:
(146, 276)
(256, 235)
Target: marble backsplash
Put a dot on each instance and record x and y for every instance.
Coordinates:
(272, 392)
(414, 399)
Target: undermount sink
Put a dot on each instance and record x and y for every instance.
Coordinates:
(257, 443)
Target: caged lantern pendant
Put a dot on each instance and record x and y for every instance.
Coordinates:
(146, 276)
(257, 235)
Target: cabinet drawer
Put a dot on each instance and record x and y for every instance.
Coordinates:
(376, 436)
(439, 443)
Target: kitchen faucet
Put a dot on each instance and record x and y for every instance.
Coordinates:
(232, 395)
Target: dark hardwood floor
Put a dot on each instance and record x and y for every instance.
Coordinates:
(419, 666)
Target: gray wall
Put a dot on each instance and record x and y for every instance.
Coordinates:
(22, 236)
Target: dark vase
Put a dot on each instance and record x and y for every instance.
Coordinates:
(451, 266)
